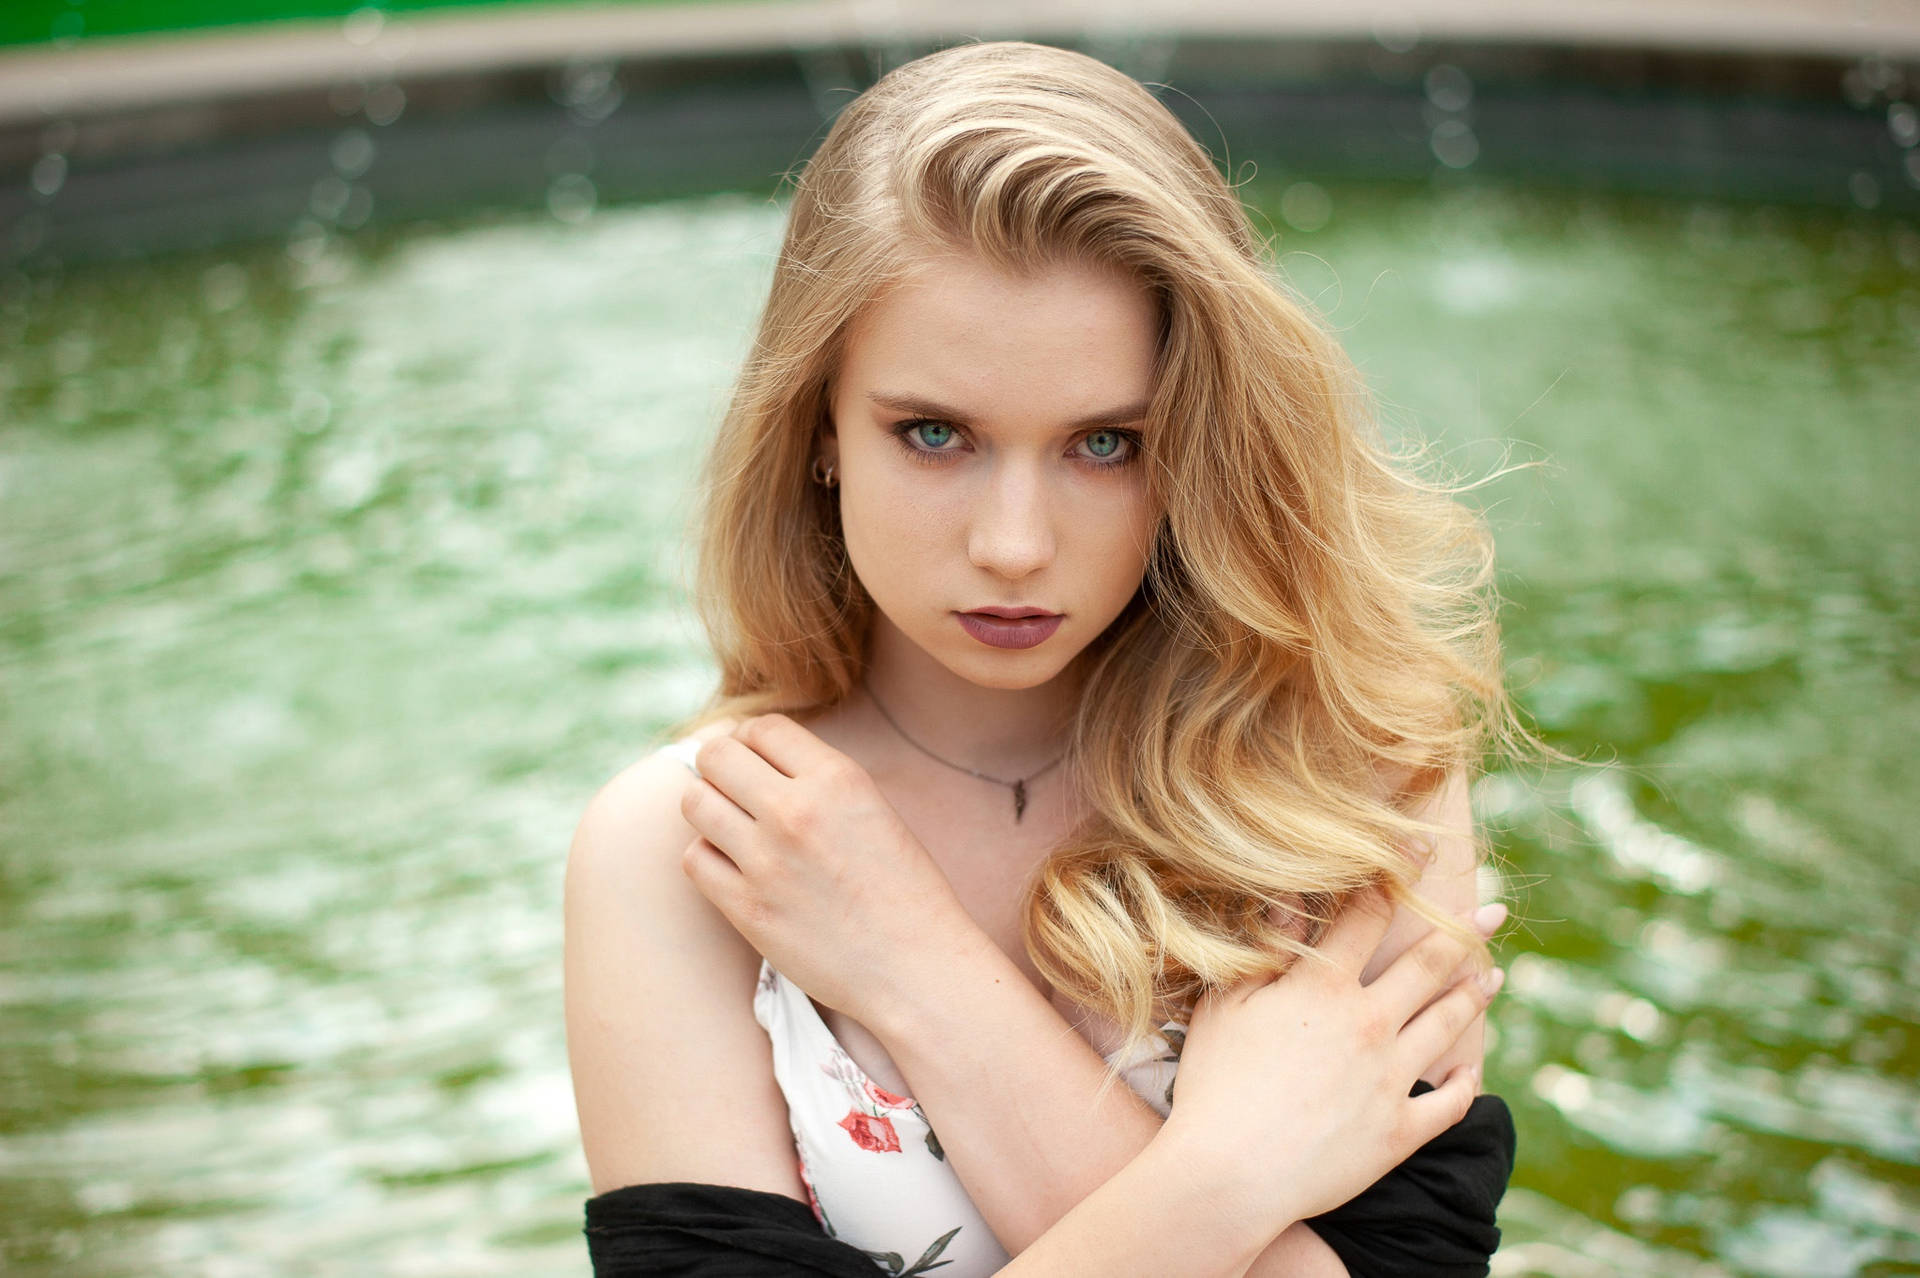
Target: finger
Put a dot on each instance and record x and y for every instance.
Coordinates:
(1486, 921)
(1420, 972)
(1431, 1113)
(717, 878)
(1488, 918)
(716, 817)
(1357, 930)
(1428, 1036)
(785, 744)
(741, 774)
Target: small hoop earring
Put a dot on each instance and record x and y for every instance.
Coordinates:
(822, 473)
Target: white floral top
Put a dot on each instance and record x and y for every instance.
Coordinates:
(875, 1173)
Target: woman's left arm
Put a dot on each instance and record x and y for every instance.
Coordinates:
(794, 848)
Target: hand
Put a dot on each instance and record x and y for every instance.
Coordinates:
(814, 867)
(1295, 1088)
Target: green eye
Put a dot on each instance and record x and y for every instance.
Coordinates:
(1112, 447)
(934, 434)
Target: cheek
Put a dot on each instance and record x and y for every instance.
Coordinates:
(1121, 537)
(890, 529)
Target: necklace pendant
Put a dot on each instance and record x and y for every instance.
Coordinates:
(1019, 798)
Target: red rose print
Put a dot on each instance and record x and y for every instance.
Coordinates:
(881, 1096)
(875, 1135)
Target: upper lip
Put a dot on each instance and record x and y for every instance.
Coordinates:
(1011, 614)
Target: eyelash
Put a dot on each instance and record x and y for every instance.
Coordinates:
(935, 456)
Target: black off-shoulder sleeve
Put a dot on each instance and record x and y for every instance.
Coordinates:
(1433, 1215)
(682, 1230)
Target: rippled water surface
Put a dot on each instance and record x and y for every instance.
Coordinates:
(334, 577)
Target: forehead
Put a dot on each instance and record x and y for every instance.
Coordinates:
(961, 328)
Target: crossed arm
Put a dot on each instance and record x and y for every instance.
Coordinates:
(1032, 1142)
(1042, 1128)
(1015, 1094)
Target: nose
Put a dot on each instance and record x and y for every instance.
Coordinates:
(1012, 531)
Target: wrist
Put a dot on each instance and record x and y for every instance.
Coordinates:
(1153, 1216)
(923, 982)
(1216, 1197)
(1237, 1191)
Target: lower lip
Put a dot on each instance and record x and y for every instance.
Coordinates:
(1010, 632)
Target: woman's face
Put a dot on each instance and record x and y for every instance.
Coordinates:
(986, 433)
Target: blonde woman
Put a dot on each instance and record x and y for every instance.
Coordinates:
(1073, 872)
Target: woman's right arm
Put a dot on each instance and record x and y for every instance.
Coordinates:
(672, 1077)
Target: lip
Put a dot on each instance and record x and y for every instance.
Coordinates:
(1025, 628)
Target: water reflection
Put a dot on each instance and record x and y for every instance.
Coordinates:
(337, 574)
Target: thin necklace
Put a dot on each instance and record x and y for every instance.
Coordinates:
(1018, 786)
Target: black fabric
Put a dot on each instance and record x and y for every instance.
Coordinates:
(1432, 1216)
(681, 1230)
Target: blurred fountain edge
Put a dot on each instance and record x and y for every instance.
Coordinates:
(111, 75)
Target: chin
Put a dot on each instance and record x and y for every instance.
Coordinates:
(1007, 681)
(1011, 671)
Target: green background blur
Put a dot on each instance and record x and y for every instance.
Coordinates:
(28, 21)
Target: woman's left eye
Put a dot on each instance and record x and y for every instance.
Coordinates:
(1110, 447)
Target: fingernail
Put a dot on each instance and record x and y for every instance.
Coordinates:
(1489, 917)
(1491, 980)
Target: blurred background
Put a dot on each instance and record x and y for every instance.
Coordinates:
(355, 363)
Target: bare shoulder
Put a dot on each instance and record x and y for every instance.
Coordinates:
(1449, 882)
(1450, 858)
(1449, 878)
(672, 1077)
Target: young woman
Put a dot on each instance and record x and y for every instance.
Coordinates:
(1096, 699)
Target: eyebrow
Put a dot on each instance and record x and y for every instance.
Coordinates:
(919, 407)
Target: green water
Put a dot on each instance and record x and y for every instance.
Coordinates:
(336, 574)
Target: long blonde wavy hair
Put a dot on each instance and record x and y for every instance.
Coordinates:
(1312, 651)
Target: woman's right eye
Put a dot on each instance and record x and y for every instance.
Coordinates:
(931, 436)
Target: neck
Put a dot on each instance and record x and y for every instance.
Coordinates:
(1005, 732)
